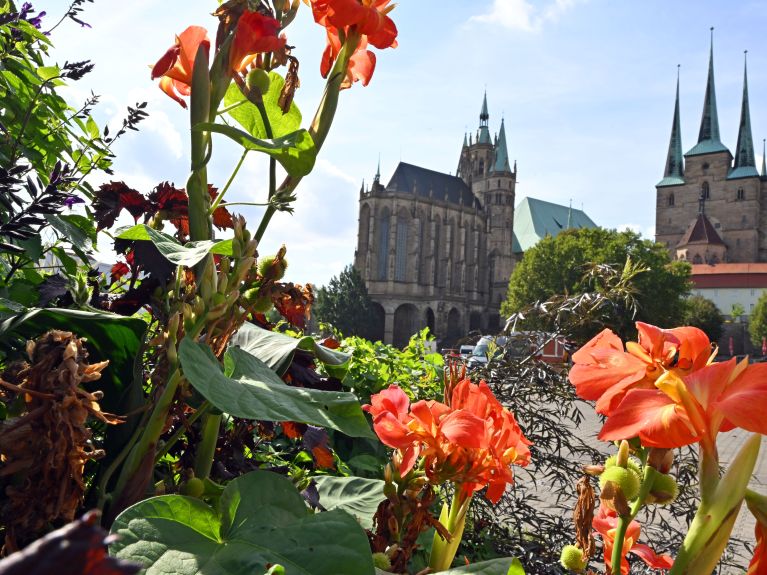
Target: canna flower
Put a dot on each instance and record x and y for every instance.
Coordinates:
(472, 442)
(684, 410)
(254, 35)
(606, 522)
(366, 19)
(758, 564)
(605, 372)
(175, 67)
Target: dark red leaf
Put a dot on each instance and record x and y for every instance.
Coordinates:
(114, 197)
(119, 270)
(222, 218)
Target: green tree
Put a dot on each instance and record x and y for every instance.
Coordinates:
(345, 304)
(757, 322)
(558, 265)
(701, 312)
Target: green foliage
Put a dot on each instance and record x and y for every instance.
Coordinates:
(757, 323)
(355, 495)
(251, 390)
(703, 313)
(259, 520)
(557, 266)
(187, 255)
(247, 115)
(375, 365)
(346, 305)
(737, 311)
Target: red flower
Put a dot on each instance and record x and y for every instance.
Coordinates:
(605, 523)
(473, 442)
(255, 34)
(604, 372)
(177, 64)
(758, 565)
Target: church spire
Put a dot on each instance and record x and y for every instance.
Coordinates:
(745, 160)
(708, 137)
(483, 136)
(764, 159)
(674, 173)
(501, 152)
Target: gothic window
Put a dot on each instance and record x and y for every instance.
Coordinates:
(499, 183)
(741, 194)
(437, 254)
(744, 220)
(383, 245)
(705, 191)
(400, 253)
(481, 166)
(697, 259)
(671, 199)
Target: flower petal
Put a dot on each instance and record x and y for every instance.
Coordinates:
(744, 400)
(464, 429)
(651, 558)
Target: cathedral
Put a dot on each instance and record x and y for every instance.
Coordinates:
(436, 250)
(711, 205)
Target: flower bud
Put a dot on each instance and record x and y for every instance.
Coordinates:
(626, 479)
(572, 558)
(664, 490)
(661, 459)
(258, 81)
(381, 561)
(272, 267)
(632, 463)
(623, 454)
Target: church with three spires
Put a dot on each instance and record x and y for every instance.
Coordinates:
(711, 205)
(436, 250)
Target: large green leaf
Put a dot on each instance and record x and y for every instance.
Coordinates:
(247, 115)
(355, 495)
(261, 520)
(187, 255)
(277, 349)
(295, 151)
(253, 391)
(502, 566)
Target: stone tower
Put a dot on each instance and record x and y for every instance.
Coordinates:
(711, 207)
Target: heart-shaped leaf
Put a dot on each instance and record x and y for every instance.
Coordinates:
(355, 495)
(253, 391)
(247, 115)
(261, 520)
(187, 255)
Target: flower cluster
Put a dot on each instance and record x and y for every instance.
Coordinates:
(665, 389)
(471, 441)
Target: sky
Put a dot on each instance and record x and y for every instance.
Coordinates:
(586, 89)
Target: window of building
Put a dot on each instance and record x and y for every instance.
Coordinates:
(400, 257)
(499, 183)
(737, 243)
(717, 225)
(744, 220)
(671, 199)
(752, 292)
(741, 194)
(481, 166)
(705, 191)
(751, 308)
(383, 245)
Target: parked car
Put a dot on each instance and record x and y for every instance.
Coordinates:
(521, 344)
(465, 351)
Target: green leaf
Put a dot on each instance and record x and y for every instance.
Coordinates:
(79, 230)
(187, 255)
(48, 72)
(92, 128)
(247, 115)
(261, 520)
(277, 349)
(254, 391)
(502, 566)
(355, 495)
(67, 262)
(295, 151)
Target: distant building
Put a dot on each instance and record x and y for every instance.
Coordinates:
(711, 206)
(437, 250)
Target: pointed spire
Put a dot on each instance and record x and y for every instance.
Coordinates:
(570, 215)
(745, 160)
(764, 159)
(465, 144)
(377, 177)
(483, 136)
(674, 173)
(708, 136)
(501, 152)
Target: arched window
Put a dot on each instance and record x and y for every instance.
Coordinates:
(705, 191)
(741, 194)
(400, 253)
(671, 199)
(383, 245)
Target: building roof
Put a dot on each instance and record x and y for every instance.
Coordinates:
(745, 160)
(483, 136)
(535, 219)
(701, 231)
(426, 183)
(501, 152)
(729, 275)
(709, 141)
(674, 172)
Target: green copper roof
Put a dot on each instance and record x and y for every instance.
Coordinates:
(708, 138)
(484, 115)
(464, 140)
(674, 173)
(535, 219)
(483, 136)
(501, 153)
(745, 160)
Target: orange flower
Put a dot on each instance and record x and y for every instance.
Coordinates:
(255, 34)
(473, 442)
(604, 372)
(605, 523)
(367, 18)
(758, 565)
(175, 67)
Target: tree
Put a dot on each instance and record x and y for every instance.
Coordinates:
(757, 323)
(346, 305)
(558, 265)
(703, 313)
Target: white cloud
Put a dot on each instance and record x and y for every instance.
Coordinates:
(523, 14)
(647, 233)
(333, 170)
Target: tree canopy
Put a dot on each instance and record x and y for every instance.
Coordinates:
(757, 323)
(557, 265)
(345, 304)
(702, 313)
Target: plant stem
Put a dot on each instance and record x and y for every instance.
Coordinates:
(648, 478)
(220, 195)
(197, 185)
(181, 431)
(206, 449)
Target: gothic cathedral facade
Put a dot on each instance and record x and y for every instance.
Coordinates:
(435, 250)
(711, 206)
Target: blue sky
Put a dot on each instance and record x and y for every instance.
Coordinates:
(586, 88)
